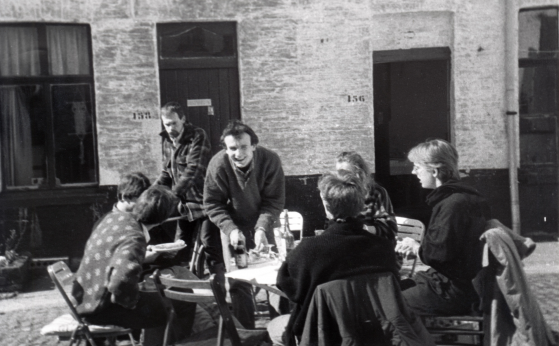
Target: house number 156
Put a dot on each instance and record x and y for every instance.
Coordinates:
(355, 98)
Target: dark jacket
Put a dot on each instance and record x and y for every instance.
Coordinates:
(451, 244)
(362, 310)
(185, 168)
(343, 250)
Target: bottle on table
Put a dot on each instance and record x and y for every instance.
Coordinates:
(241, 256)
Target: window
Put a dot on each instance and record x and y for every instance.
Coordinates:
(47, 115)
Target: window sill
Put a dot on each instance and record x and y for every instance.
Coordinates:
(61, 196)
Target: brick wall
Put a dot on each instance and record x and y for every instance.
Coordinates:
(299, 61)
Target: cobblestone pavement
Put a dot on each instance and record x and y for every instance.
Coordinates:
(23, 316)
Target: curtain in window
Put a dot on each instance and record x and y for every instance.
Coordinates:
(19, 51)
(16, 137)
(68, 50)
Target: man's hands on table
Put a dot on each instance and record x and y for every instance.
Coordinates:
(407, 247)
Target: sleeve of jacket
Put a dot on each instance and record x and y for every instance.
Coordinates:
(216, 196)
(197, 160)
(126, 265)
(273, 194)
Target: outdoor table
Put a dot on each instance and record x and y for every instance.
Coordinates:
(261, 274)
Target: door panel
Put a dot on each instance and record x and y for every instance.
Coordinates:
(218, 85)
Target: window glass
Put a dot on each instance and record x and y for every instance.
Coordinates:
(73, 134)
(19, 51)
(23, 135)
(538, 89)
(68, 50)
(180, 40)
(537, 36)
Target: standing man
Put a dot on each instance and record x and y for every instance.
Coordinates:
(244, 193)
(187, 152)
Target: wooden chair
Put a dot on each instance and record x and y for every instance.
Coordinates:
(208, 292)
(410, 228)
(76, 329)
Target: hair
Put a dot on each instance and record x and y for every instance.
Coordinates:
(236, 128)
(131, 186)
(173, 107)
(359, 166)
(343, 193)
(437, 154)
(155, 205)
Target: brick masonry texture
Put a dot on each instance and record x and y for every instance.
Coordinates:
(298, 62)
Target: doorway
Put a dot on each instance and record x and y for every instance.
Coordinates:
(198, 68)
(411, 102)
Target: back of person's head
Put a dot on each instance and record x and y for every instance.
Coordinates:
(437, 154)
(172, 107)
(155, 205)
(343, 194)
(131, 186)
(357, 165)
(236, 128)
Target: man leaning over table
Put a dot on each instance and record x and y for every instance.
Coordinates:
(187, 152)
(244, 193)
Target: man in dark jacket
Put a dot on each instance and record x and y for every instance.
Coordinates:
(344, 250)
(451, 245)
(187, 151)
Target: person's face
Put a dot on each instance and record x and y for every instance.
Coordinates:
(239, 149)
(173, 124)
(426, 176)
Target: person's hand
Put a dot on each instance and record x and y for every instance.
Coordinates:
(150, 255)
(407, 247)
(260, 240)
(236, 237)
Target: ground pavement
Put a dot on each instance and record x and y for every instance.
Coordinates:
(23, 316)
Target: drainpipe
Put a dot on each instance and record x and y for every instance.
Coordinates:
(511, 76)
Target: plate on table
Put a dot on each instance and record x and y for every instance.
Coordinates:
(167, 247)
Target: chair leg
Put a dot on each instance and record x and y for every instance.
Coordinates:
(131, 339)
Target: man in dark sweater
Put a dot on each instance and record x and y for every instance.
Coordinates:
(244, 193)
(344, 250)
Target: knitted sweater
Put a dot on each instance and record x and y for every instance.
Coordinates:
(235, 201)
(111, 264)
(343, 250)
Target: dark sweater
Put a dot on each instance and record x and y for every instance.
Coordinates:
(343, 250)
(451, 243)
(230, 205)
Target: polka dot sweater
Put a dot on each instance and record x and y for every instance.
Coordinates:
(111, 265)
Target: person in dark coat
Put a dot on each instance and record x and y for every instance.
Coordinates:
(451, 244)
(344, 250)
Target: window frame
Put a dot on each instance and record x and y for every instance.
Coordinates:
(47, 82)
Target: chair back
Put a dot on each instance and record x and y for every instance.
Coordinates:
(413, 229)
(295, 223)
(61, 275)
(410, 228)
(198, 291)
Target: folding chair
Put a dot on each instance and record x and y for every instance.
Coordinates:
(295, 224)
(209, 291)
(73, 327)
(410, 228)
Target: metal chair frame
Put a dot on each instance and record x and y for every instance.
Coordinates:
(62, 275)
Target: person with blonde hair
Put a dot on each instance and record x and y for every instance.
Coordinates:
(451, 244)
(378, 211)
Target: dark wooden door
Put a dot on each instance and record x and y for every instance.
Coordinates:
(411, 102)
(198, 69)
(195, 89)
